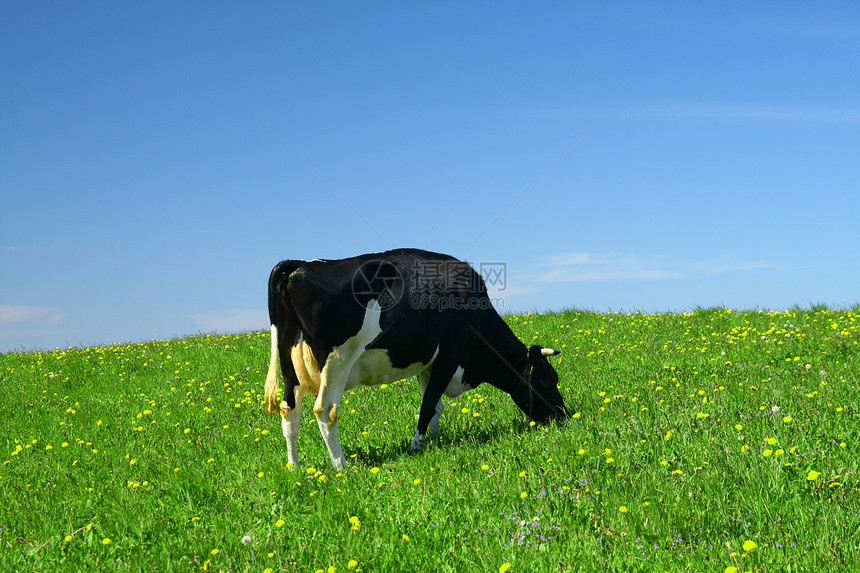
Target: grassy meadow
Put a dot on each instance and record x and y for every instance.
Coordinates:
(707, 441)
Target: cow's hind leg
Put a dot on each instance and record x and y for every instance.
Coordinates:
(326, 407)
(335, 377)
(291, 423)
(325, 410)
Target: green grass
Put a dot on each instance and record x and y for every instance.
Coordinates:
(702, 441)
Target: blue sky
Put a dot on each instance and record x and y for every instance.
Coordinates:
(157, 159)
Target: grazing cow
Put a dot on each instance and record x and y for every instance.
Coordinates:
(379, 318)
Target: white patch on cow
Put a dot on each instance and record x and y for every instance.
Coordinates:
(374, 367)
(455, 386)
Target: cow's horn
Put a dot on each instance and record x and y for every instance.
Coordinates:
(549, 351)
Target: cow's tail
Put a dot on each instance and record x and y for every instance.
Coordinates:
(285, 324)
(272, 400)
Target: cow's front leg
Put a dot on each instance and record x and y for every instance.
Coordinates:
(431, 400)
(291, 423)
(433, 426)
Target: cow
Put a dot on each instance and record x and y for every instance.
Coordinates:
(382, 317)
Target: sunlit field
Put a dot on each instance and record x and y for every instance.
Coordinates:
(707, 441)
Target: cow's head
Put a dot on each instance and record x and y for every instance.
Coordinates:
(542, 401)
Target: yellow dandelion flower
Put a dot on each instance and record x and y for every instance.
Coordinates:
(280, 523)
(623, 509)
(106, 541)
(504, 567)
(749, 545)
(812, 475)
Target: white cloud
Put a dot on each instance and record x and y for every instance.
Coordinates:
(580, 267)
(235, 320)
(763, 113)
(10, 313)
(728, 264)
(723, 112)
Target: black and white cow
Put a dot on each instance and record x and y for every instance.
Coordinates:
(382, 317)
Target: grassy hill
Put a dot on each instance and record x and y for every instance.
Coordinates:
(709, 440)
